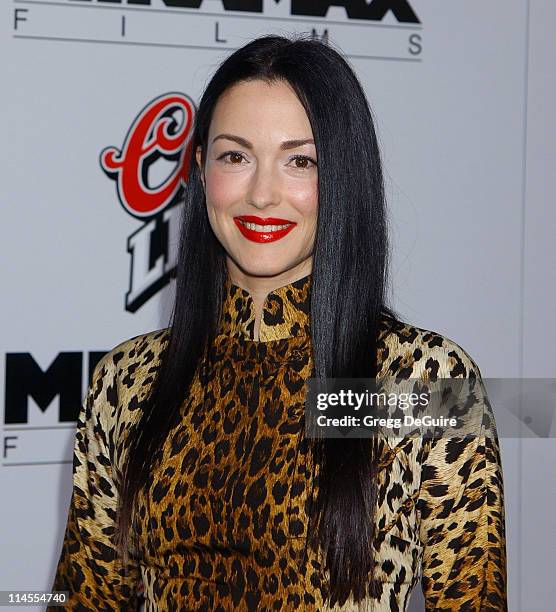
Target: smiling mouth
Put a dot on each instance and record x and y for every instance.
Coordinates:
(262, 230)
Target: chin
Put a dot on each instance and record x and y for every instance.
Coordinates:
(265, 268)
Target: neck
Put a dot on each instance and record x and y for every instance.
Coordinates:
(260, 286)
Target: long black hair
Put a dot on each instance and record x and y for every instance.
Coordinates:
(349, 280)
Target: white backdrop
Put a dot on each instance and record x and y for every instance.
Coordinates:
(463, 95)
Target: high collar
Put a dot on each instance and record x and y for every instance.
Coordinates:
(285, 314)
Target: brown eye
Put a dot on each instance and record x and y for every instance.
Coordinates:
(302, 162)
(231, 157)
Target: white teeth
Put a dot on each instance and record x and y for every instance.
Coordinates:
(264, 228)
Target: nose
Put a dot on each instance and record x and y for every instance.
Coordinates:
(263, 189)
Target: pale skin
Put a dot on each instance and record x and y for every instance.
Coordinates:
(261, 160)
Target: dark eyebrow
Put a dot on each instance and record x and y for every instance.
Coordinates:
(292, 144)
(287, 144)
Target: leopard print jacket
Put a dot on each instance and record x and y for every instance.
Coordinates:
(223, 522)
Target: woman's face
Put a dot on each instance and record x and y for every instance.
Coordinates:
(260, 179)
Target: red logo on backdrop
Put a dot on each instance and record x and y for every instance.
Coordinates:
(150, 172)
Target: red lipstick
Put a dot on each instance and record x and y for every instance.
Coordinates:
(265, 235)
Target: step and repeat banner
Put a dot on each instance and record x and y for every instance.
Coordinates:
(92, 185)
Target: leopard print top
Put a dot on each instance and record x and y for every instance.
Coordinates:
(223, 522)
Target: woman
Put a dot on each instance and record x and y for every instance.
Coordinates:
(193, 478)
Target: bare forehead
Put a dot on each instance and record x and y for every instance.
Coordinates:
(259, 108)
(258, 88)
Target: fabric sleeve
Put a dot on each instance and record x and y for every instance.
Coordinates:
(89, 567)
(462, 526)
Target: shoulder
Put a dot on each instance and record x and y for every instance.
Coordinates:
(132, 355)
(121, 381)
(407, 350)
(142, 349)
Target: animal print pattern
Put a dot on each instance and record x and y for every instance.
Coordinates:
(222, 525)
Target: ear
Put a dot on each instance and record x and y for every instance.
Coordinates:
(198, 153)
